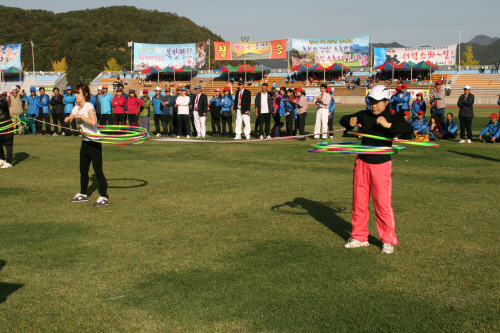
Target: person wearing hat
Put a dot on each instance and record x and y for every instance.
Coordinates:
(450, 127)
(323, 103)
(133, 105)
(491, 133)
(118, 104)
(144, 111)
(97, 102)
(57, 110)
(418, 105)
(225, 112)
(167, 116)
(394, 100)
(16, 105)
(42, 103)
(69, 103)
(183, 104)
(421, 125)
(7, 139)
(241, 108)
(263, 111)
(105, 101)
(331, 112)
(31, 101)
(465, 115)
(157, 110)
(287, 108)
(437, 100)
(372, 172)
(200, 109)
(214, 106)
(302, 106)
(192, 97)
(403, 99)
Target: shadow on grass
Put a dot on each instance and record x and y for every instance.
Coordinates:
(7, 289)
(487, 158)
(129, 183)
(21, 157)
(325, 213)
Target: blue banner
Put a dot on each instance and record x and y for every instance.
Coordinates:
(163, 55)
(10, 56)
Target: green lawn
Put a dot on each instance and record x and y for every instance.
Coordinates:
(248, 237)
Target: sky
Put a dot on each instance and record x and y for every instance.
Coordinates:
(427, 22)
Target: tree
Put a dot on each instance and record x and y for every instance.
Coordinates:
(60, 66)
(468, 57)
(113, 65)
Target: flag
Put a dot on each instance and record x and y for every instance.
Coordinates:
(130, 44)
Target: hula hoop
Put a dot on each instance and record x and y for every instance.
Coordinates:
(15, 121)
(422, 144)
(353, 146)
(127, 135)
(354, 152)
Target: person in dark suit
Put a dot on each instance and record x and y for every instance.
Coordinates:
(241, 108)
(200, 109)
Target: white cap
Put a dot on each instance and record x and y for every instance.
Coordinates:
(14, 88)
(158, 88)
(99, 88)
(467, 87)
(379, 92)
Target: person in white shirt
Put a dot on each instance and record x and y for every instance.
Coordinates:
(263, 111)
(323, 103)
(91, 151)
(182, 104)
(242, 110)
(200, 109)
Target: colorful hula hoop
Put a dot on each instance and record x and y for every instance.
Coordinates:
(15, 121)
(118, 135)
(354, 152)
(422, 144)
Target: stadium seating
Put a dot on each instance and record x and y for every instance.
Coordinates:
(482, 84)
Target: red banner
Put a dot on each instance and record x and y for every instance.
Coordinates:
(274, 49)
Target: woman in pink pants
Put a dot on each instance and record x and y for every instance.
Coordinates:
(372, 173)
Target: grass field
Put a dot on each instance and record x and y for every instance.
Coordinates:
(248, 237)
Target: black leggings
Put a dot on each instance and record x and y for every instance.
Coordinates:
(229, 122)
(119, 119)
(264, 118)
(9, 144)
(43, 117)
(289, 124)
(215, 123)
(92, 152)
(301, 122)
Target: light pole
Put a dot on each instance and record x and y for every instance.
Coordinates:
(459, 50)
(244, 39)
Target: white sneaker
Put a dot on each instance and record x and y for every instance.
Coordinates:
(261, 137)
(268, 137)
(80, 198)
(387, 248)
(324, 137)
(237, 137)
(101, 201)
(55, 134)
(461, 141)
(2, 162)
(248, 138)
(6, 165)
(316, 137)
(331, 136)
(469, 141)
(158, 135)
(352, 243)
(198, 137)
(188, 136)
(63, 133)
(178, 137)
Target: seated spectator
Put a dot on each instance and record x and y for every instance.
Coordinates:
(450, 127)
(492, 128)
(280, 133)
(421, 126)
(418, 104)
(348, 86)
(435, 128)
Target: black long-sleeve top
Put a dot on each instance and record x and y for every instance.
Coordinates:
(368, 122)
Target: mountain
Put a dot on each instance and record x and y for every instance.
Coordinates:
(483, 40)
(88, 38)
(486, 54)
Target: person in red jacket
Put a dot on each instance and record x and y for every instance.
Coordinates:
(118, 104)
(133, 105)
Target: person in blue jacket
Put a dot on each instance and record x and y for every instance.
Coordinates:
(367, 102)
(167, 117)
(105, 100)
(421, 126)
(225, 112)
(417, 105)
(69, 104)
(42, 103)
(493, 128)
(393, 100)
(31, 101)
(498, 102)
(157, 110)
(450, 128)
(331, 113)
(403, 100)
(287, 109)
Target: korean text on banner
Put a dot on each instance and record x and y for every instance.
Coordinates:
(437, 55)
(10, 56)
(347, 51)
(273, 49)
(413, 92)
(163, 55)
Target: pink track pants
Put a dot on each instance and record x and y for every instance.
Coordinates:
(375, 179)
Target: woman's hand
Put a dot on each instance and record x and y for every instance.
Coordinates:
(383, 122)
(353, 121)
